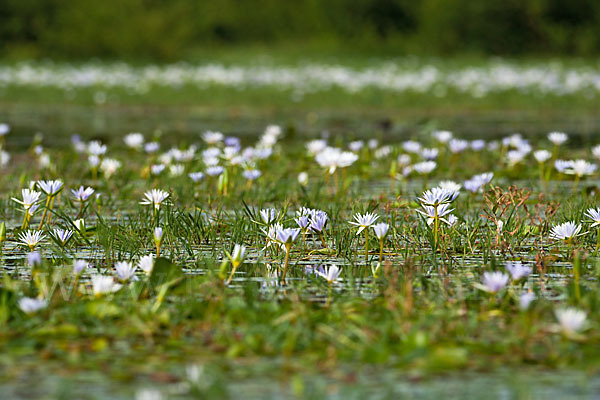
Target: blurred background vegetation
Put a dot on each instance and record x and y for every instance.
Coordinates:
(167, 30)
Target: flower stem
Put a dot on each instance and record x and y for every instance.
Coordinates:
(287, 260)
(367, 245)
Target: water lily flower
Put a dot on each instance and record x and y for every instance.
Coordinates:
(96, 148)
(525, 300)
(450, 186)
(542, 156)
(287, 235)
(517, 270)
(104, 284)
(570, 320)
(316, 146)
(236, 258)
(62, 235)
(215, 170)
(558, 138)
(580, 168)
(364, 221)
(331, 273)
(151, 147)
(212, 138)
(134, 140)
(436, 196)
(154, 197)
(494, 281)
(34, 258)
(356, 145)
(442, 136)
(82, 194)
(424, 167)
(477, 144)
(594, 215)
(50, 188)
(30, 198)
(566, 231)
(457, 145)
(146, 263)
(333, 158)
(79, 266)
(31, 238)
(431, 213)
(196, 176)
(251, 174)
(412, 146)
(109, 166)
(32, 305)
(381, 230)
(430, 154)
(157, 169)
(478, 181)
(125, 270)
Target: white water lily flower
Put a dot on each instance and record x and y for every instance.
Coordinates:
(237, 255)
(542, 155)
(215, 171)
(580, 168)
(525, 300)
(571, 320)
(594, 215)
(557, 138)
(411, 146)
(316, 146)
(457, 145)
(303, 178)
(32, 305)
(146, 263)
(212, 138)
(478, 181)
(82, 194)
(62, 235)
(134, 140)
(31, 238)
(104, 284)
(364, 220)
(79, 266)
(330, 273)
(442, 136)
(96, 148)
(333, 158)
(356, 145)
(269, 215)
(442, 211)
(596, 151)
(109, 166)
(450, 186)
(30, 198)
(517, 270)
(424, 167)
(430, 154)
(287, 235)
(50, 188)
(494, 281)
(125, 270)
(381, 230)
(478, 144)
(436, 196)
(566, 231)
(154, 197)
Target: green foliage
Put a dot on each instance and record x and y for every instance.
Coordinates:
(167, 30)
